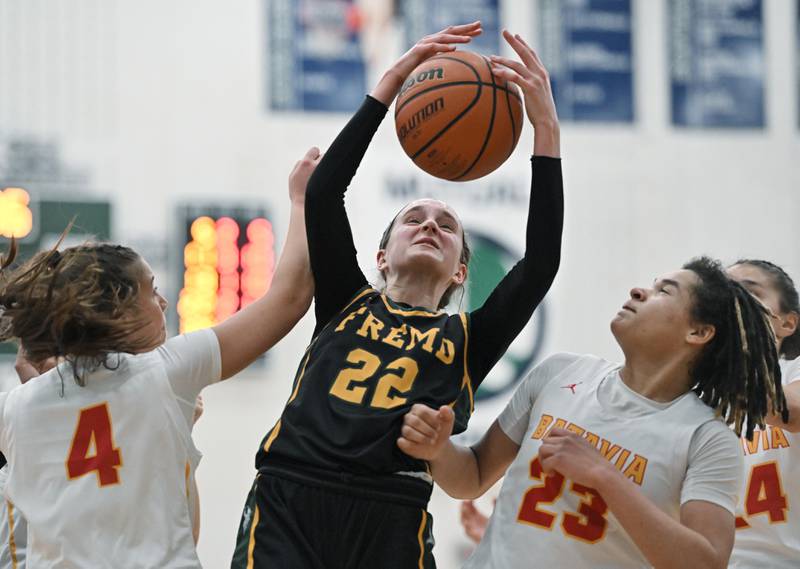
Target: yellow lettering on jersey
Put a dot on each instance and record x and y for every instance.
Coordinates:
(541, 428)
(779, 439)
(396, 336)
(623, 456)
(446, 352)
(608, 450)
(573, 428)
(592, 438)
(349, 317)
(751, 447)
(426, 339)
(636, 469)
(559, 424)
(370, 326)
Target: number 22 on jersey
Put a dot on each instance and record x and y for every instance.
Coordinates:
(92, 448)
(587, 524)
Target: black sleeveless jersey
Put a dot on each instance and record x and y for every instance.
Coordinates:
(360, 376)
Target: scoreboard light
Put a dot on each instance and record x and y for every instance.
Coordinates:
(16, 218)
(228, 263)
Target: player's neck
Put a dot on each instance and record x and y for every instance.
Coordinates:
(416, 290)
(661, 379)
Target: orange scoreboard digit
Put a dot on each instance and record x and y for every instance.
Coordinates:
(228, 261)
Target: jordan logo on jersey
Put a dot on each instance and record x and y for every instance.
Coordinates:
(571, 386)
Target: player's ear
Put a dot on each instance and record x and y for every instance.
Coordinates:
(381, 260)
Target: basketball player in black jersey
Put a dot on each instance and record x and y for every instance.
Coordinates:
(332, 489)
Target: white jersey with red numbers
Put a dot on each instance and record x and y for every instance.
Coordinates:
(675, 452)
(102, 473)
(768, 514)
(13, 531)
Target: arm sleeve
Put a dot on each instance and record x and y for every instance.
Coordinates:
(337, 276)
(516, 417)
(495, 324)
(192, 361)
(716, 467)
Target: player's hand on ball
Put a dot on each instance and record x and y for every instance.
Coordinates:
(445, 40)
(301, 173)
(574, 457)
(425, 431)
(531, 76)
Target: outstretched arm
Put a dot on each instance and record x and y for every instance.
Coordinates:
(501, 318)
(462, 472)
(255, 329)
(337, 276)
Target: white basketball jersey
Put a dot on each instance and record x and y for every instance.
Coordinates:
(102, 473)
(768, 515)
(13, 531)
(559, 523)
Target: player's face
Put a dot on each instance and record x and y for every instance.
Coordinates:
(761, 285)
(152, 306)
(427, 236)
(657, 318)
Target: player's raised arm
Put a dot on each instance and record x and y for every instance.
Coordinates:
(446, 40)
(255, 329)
(463, 472)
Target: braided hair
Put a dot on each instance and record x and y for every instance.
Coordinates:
(737, 373)
(78, 304)
(789, 300)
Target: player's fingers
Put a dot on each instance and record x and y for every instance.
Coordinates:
(430, 416)
(420, 425)
(417, 435)
(468, 509)
(313, 153)
(413, 435)
(473, 28)
(448, 38)
(522, 50)
(499, 61)
(409, 448)
(557, 432)
(507, 74)
(532, 51)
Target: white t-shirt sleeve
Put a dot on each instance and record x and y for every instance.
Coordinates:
(192, 361)
(790, 371)
(716, 467)
(515, 418)
(3, 438)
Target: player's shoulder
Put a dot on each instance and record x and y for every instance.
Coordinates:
(561, 363)
(585, 363)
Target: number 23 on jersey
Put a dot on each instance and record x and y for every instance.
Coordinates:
(92, 448)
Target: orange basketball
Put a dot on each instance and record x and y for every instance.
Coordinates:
(455, 118)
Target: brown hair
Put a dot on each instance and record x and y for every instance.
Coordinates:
(77, 304)
(466, 254)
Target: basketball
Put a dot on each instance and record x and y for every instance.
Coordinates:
(455, 119)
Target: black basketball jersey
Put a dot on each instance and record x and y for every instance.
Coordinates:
(360, 376)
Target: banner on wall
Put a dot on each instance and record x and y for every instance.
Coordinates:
(717, 69)
(587, 48)
(423, 17)
(314, 56)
